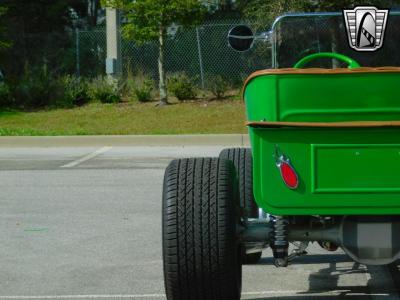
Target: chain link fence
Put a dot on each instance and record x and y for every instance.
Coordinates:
(201, 52)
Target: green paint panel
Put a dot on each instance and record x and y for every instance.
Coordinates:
(323, 159)
(342, 171)
(323, 97)
(355, 168)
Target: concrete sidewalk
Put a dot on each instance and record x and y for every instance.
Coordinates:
(125, 140)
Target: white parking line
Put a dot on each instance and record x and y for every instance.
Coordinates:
(86, 157)
(86, 296)
(136, 296)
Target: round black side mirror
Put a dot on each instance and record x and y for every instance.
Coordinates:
(241, 38)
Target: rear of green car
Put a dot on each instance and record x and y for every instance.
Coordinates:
(339, 131)
(324, 166)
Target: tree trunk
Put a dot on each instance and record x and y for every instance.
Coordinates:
(161, 68)
(93, 6)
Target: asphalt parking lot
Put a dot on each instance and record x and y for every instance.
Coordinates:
(85, 223)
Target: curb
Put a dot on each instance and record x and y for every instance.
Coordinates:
(126, 140)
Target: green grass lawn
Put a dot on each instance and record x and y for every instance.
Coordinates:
(129, 118)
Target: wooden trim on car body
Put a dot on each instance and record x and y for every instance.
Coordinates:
(352, 124)
(321, 71)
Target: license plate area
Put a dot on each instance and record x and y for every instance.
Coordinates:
(355, 168)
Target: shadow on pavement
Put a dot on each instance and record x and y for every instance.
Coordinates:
(311, 259)
(326, 280)
(314, 297)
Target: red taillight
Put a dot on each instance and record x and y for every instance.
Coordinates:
(288, 174)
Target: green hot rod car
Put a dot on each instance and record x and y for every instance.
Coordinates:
(324, 166)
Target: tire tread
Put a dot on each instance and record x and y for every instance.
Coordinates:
(199, 230)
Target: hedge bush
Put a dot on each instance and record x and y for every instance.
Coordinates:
(37, 88)
(139, 87)
(218, 86)
(5, 95)
(104, 89)
(181, 86)
(75, 91)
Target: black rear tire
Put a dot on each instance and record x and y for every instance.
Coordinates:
(200, 247)
(243, 162)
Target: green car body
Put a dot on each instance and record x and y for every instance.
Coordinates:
(325, 160)
(316, 119)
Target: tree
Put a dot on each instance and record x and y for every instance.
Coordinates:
(3, 44)
(148, 20)
(40, 16)
(92, 12)
(325, 5)
(263, 12)
(39, 32)
(267, 10)
(223, 9)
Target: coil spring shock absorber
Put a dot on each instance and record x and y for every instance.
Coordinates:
(280, 243)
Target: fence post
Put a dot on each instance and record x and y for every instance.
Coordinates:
(113, 60)
(200, 57)
(78, 63)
